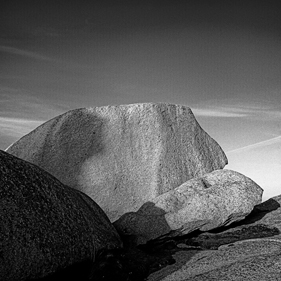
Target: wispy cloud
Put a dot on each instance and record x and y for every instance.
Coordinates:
(15, 103)
(21, 112)
(257, 145)
(236, 109)
(17, 127)
(24, 53)
(217, 112)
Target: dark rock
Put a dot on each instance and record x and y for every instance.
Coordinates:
(152, 260)
(254, 259)
(45, 225)
(245, 250)
(208, 240)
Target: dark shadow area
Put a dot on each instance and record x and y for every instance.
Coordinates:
(211, 240)
(257, 214)
(144, 255)
(147, 223)
(132, 263)
(261, 210)
(128, 264)
(154, 245)
(78, 271)
(89, 131)
(118, 264)
(136, 263)
(61, 153)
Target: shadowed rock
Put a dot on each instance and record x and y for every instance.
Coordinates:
(209, 240)
(216, 199)
(254, 259)
(46, 226)
(246, 250)
(122, 156)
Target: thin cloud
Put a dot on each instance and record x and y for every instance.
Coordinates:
(24, 53)
(257, 145)
(21, 112)
(216, 112)
(17, 127)
(234, 109)
(21, 104)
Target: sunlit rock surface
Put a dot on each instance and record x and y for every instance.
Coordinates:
(216, 199)
(123, 156)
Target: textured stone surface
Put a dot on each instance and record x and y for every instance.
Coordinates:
(217, 199)
(44, 224)
(122, 156)
(268, 213)
(257, 259)
(200, 255)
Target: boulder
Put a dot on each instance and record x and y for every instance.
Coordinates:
(216, 199)
(122, 156)
(246, 250)
(45, 225)
(254, 259)
(267, 213)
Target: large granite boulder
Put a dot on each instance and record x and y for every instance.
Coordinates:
(46, 226)
(216, 199)
(122, 156)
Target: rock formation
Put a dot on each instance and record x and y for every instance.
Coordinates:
(45, 225)
(243, 251)
(122, 156)
(255, 259)
(216, 199)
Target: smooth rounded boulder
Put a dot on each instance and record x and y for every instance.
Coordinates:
(216, 199)
(122, 156)
(46, 226)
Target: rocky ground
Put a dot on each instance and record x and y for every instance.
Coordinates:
(160, 258)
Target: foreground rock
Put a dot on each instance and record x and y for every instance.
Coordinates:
(222, 254)
(192, 255)
(216, 199)
(123, 156)
(246, 250)
(45, 225)
(254, 259)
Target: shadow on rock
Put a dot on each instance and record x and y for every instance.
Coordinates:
(213, 241)
(78, 271)
(257, 214)
(136, 263)
(261, 210)
(129, 264)
(147, 223)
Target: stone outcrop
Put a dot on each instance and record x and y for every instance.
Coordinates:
(216, 199)
(122, 156)
(254, 259)
(45, 225)
(247, 250)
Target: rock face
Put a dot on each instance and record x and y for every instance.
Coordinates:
(213, 200)
(44, 224)
(122, 156)
(256, 258)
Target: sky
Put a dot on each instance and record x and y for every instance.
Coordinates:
(220, 58)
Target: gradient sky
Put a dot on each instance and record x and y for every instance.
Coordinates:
(221, 58)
